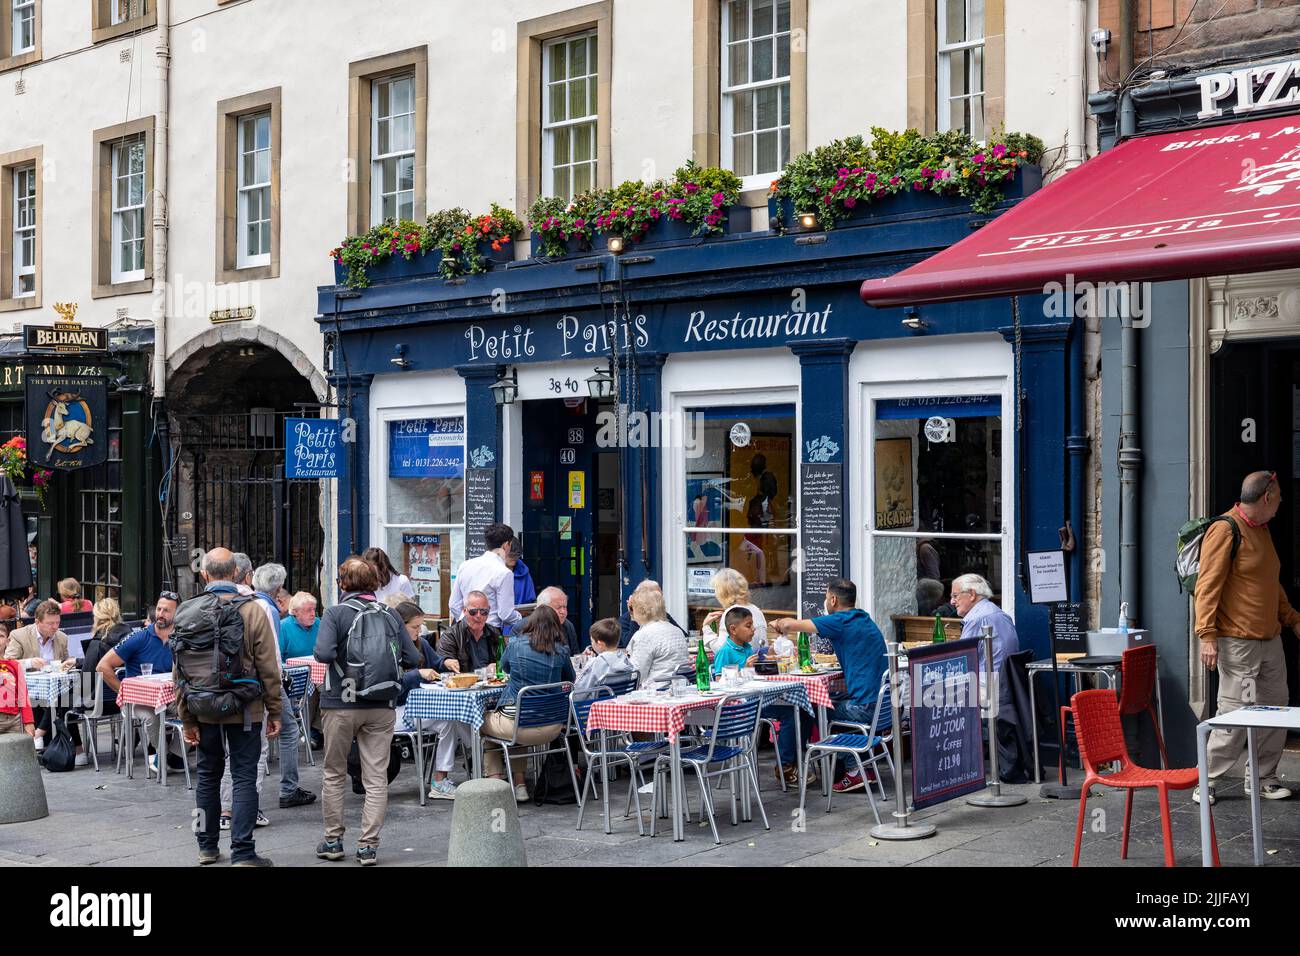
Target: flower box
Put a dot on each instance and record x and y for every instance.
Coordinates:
(395, 267)
(665, 229)
(574, 245)
(497, 256)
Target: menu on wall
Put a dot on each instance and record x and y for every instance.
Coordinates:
(480, 507)
(821, 499)
(947, 736)
(1068, 629)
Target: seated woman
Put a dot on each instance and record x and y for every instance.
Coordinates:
(536, 654)
(107, 631)
(448, 731)
(658, 648)
(731, 590)
(70, 599)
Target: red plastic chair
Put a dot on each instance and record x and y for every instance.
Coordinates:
(1138, 674)
(1101, 741)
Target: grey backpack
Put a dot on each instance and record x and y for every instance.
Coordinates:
(371, 668)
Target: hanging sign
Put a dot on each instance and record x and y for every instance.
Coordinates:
(65, 335)
(426, 448)
(313, 448)
(66, 421)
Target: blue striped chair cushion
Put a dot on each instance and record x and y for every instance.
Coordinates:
(720, 753)
(848, 742)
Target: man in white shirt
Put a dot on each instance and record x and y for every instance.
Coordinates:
(490, 574)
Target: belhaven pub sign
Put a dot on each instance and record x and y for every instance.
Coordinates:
(66, 335)
(66, 421)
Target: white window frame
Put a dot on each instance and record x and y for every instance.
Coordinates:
(550, 126)
(946, 55)
(247, 191)
(124, 11)
(23, 15)
(120, 149)
(729, 92)
(865, 430)
(378, 159)
(682, 392)
(24, 203)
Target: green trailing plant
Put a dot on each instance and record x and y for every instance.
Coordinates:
(556, 221)
(390, 238)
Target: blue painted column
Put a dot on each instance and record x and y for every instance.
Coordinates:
(1041, 468)
(824, 421)
(643, 481)
(483, 424)
(354, 487)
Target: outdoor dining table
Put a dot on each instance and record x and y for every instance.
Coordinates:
(47, 688)
(1070, 669)
(668, 716)
(820, 687)
(154, 693)
(435, 702)
(314, 667)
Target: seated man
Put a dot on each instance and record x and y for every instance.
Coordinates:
(971, 596)
(472, 641)
(36, 645)
(149, 645)
(861, 651)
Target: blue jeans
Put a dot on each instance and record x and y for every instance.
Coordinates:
(245, 748)
(786, 750)
(288, 751)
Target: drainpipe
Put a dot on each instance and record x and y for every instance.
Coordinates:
(1130, 454)
(1124, 42)
(1076, 38)
(160, 150)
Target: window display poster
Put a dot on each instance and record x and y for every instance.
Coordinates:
(422, 559)
(426, 448)
(760, 488)
(895, 507)
(700, 581)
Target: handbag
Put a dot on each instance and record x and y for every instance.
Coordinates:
(60, 753)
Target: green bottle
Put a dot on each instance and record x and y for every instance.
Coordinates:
(501, 650)
(805, 652)
(939, 635)
(701, 668)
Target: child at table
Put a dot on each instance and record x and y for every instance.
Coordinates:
(739, 622)
(608, 663)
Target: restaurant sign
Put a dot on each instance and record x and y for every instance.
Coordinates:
(65, 336)
(66, 421)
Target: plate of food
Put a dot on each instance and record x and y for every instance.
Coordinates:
(453, 681)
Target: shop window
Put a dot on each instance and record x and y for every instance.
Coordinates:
(938, 510)
(424, 519)
(740, 506)
(756, 88)
(387, 138)
(570, 115)
(960, 27)
(99, 518)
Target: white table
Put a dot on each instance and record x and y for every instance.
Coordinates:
(1254, 717)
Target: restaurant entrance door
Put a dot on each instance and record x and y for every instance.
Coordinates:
(572, 498)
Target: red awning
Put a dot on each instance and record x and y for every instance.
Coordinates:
(1201, 202)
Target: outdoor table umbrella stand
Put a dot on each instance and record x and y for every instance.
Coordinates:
(903, 829)
(993, 797)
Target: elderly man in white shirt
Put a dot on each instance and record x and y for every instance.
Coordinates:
(490, 574)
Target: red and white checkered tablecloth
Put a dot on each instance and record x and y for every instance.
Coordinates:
(155, 693)
(653, 717)
(316, 667)
(819, 686)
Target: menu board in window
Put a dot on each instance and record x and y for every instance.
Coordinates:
(421, 556)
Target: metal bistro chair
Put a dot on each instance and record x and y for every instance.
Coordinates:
(540, 705)
(175, 726)
(864, 741)
(630, 752)
(95, 716)
(729, 750)
(298, 691)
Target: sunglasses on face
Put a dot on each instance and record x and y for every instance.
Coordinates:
(476, 612)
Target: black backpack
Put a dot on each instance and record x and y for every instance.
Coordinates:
(395, 754)
(60, 753)
(554, 785)
(208, 647)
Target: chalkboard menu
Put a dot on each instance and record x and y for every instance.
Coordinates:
(480, 507)
(1068, 629)
(947, 738)
(821, 503)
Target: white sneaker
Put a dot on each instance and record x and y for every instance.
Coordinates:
(521, 794)
(40, 743)
(442, 789)
(1196, 795)
(81, 760)
(152, 765)
(1271, 791)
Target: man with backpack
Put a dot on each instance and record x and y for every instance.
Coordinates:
(367, 649)
(228, 682)
(1241, 606)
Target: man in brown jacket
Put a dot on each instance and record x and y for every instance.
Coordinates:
(241, 732)
(1241, 608)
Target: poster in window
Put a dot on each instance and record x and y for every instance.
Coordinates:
(895, 507)
(421, 555)
(426, 448)
(759, 496)
(704, 500)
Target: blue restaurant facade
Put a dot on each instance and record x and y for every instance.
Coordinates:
(690, 405)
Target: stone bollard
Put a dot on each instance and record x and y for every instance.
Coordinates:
(22, 792)
(485, 826)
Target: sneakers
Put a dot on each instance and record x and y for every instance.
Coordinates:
(848, 783)
(1196, 795)
(225, 821)
(207, 857)
(330, 850)
(174, 762)
(317, 740)
(442, 789)
(367, 855)
(521, 793)
(1270, 791)
(40, 743)
(81, 760)
(253, 861)
(299, 798)
(261, 820)
(152, 765)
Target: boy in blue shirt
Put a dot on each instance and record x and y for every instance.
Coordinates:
(739, 622)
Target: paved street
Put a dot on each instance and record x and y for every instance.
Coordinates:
(105, 819)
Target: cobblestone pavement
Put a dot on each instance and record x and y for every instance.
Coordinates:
(104, 819)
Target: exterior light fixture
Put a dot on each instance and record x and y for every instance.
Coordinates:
(913, 320)
(808, 220)
(615, 244)
(399, 357)
(601, 385)
(506, 389)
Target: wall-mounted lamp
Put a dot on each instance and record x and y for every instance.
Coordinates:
(615, 244)
(808, 220)
(601, 385)
(400, 359)
(913, 320)
(506, 389)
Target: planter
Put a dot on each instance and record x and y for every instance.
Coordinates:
(780, 213)
(574, 245)
(667, 230)
(497, 257)
(395, 267)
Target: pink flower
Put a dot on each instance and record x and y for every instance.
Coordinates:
(654, 213)
(977, 158)
(893, 181)
(659, 194)
(713, 218)
(999, 151)
(849, 202)
(579, 223)
(925, 170)
(918, 185)
(692, 188)
(718, 200)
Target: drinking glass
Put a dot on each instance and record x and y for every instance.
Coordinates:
(146, 670)
(748, 673)
(730, 674)
(681, 687)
